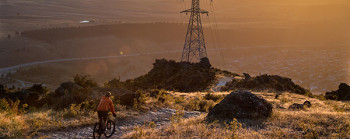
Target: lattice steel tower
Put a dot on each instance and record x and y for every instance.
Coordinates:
(194, 47)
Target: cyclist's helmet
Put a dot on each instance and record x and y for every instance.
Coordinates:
(108, 94)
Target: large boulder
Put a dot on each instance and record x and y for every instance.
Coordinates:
(343, 93)
(240, 105)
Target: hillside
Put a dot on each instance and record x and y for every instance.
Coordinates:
(38, 112)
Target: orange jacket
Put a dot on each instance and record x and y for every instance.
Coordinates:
(106, 104)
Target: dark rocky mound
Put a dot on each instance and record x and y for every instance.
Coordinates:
(297, 106)
(343, 93)
(171, 75)
(67, 87)
(240, 105)
(266, 82)
(68, 93)
(179, 76)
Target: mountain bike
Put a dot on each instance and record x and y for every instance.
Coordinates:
(109, 129)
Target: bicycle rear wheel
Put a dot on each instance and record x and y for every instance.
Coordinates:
(110, 128)
(96, 132)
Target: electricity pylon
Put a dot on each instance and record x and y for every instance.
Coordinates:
(194, 47)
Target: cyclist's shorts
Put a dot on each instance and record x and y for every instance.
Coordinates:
(102, 114)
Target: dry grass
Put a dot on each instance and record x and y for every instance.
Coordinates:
(320, 120)
(328, 119)
(28, 124)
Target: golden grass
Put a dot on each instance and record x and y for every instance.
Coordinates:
(320, 120)
(330, 119)
(28, 124)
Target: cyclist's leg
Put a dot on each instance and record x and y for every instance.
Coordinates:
(104, 119)
(100, 120)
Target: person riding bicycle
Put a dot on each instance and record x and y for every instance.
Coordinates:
(102, 109)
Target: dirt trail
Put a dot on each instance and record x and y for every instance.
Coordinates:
(160, 118)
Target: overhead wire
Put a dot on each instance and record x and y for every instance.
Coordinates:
(217, 32)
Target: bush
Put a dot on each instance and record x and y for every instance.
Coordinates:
(40, 89)
(13, 107)
(115, 83)
(192, 104)
(206, 105)
(215, 98)
(4, 105)
(85, 81)
(179, 100)
(73, 111)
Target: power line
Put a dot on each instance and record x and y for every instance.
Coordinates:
(194, 47)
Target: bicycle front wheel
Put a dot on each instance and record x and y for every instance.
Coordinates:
(110, 128)
(96, 132)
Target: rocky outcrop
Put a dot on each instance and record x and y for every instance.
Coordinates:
(204, 63)
(247, 76)
(297, 106)
(240, 104)
(67, 87)
(343, 93)
(68, 93)
(267, 82)
(177, 76)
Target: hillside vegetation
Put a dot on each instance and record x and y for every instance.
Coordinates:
(37, 111)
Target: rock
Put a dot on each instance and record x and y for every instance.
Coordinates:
(297, 106)
(343, 93)
(307, 104)
(67, 87)
(68, 93)
(240, 104)
(267, 82)
(128, 99)
(204, 63)
(247, 76)
(177, 76)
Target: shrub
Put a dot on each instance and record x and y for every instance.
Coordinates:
(4, 105)
(115, 83)
(73, 111)
(192, 104)
(215, 98)
(179, 100)
(206, 105)
(40, 89)
(85, 81)
(233, 126)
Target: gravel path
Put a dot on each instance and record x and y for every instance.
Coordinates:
(160, 118)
